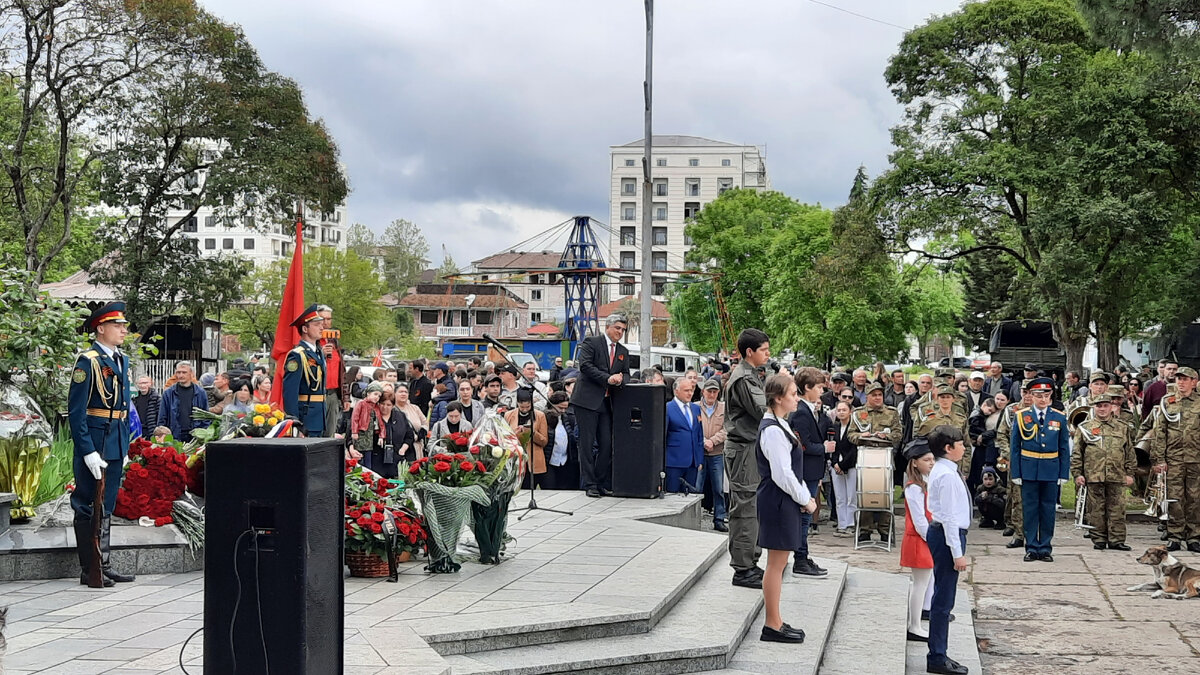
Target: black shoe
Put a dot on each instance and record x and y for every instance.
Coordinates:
(1000, 526)
(1030, 556)
(1099, 546)
(771, 635)
(606, 492)
(1173, 545)
(1015, 543)
(1164, 536)
(947, 667)
(117, 576)
(758, 571)
(593, 492)
(1046, 557)
(1008, 532)
(813, 529)
(105, 548)
(1162, 527)
(804, 568)
(1119, 547)
(108, 583)
(747, 579)
(983, 523)
(792, 631)
(925, 615)
(1194, 546)
(864, 537)
(720, 526)
(815, 566)
(913, 637)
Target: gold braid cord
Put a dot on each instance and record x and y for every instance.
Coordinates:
(1027, 433)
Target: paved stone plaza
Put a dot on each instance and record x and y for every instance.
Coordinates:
(619, 583)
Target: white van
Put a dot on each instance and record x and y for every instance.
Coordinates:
(674, 362)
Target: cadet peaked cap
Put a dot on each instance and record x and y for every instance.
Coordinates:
(1041, 384)
(308, 315)
(916, 448)
(113, 312)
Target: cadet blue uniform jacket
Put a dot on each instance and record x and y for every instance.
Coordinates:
(99, 384)
(1040, 453)
(304, 387)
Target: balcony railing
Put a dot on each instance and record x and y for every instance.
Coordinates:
(454, 331)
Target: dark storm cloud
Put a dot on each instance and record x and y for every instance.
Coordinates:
(493, 119)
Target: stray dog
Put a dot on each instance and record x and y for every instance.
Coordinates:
(1172, 579)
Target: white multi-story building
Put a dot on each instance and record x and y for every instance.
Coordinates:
(542, 290)
(260, 243)
(688, 172)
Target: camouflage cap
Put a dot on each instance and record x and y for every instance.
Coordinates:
(944, 372)
(1100, 398)
(945, 390)
(1027, 384)
(1116, 391)
(1099, 375)
(1184, 371)
(873, 386)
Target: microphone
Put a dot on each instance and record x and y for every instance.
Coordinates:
(492, 341)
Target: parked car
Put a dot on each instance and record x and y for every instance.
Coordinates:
(957, 362)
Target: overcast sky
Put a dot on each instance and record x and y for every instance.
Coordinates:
(486, 121)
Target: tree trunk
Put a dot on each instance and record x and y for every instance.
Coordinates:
(1108, 345)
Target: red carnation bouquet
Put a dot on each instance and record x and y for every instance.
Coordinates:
(154, 478)
(368, 497)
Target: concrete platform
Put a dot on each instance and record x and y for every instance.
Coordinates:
(30, 553)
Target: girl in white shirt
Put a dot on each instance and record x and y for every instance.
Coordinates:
(914, 552)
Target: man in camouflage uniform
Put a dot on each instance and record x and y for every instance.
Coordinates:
(1014, 516)
(875, 425)
(945, 411)
(1177, 452)
(946, 375)
(1102, 460)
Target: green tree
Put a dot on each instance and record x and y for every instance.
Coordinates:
(1062, 155)
(405, 255)
(349, 285)
(936, 303)
(1162, 27)
(448, 267)
(253, 320)
(361, 239)
(692, 304)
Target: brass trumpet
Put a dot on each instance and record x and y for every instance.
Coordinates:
(1080, 507)
(1156, 498)
(1077, 416)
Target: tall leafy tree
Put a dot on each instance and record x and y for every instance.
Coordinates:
(692, 305)
(349, 285)
(405, 255)
(935, 303)
(254, 319)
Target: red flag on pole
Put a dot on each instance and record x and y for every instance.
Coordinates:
(286, 335)
(378, 361)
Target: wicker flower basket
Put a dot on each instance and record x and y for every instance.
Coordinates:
(369, 565)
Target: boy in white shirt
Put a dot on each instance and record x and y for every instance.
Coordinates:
(950, 506)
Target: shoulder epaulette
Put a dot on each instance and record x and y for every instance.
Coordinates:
(90, 354)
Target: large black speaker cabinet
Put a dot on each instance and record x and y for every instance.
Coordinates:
(273, 537)
(639, 439)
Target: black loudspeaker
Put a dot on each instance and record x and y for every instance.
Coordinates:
(273, 536)
(639, 439)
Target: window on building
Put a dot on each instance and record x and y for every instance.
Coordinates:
(429, 316)
(726, 162)
(690, 210)
(535, 294)
(658, 286)
(210, 221)
(691, 187)
(724, 184)
(659, 261)
(248, 243)
(660, 187)
(694, 162)
(628, 260)
(629, 236)
(660, 236)
(483, 317)
(628, 211)
(630, 162)
(660, 211)
(249, 222)
(629, 186)
(535, 317)
(210, 244)
(626, 286)
(285, 249)
(448, 318)
(553, 278)
(535, 278)
(227, 244)
(190, 225)
(661, 161)
(687, 238)
(464, 317)
(483, 277)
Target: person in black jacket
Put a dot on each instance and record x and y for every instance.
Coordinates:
(420, 389)
(984, 441)
(604, 366)
(146, 402)
(844, 476)
(394, 441)
(812, 427)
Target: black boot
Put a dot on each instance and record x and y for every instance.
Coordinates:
(83, 546)
(110, 573)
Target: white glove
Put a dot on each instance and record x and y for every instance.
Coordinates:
(1061, 481)
(1015, 481)
(95, 464)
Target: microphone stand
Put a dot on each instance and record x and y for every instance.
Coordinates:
(533, 505)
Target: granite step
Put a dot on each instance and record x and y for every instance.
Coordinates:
(961, 645)
(629, 600)
(702, 632)
(869, 629)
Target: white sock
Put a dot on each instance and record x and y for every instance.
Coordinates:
(922, 580)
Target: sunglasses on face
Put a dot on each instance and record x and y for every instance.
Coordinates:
(846, 398)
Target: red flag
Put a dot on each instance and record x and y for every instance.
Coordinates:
(378, 358)
(286, 335)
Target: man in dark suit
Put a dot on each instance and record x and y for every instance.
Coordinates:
(603, 367)
(812, 428)
(685, 440)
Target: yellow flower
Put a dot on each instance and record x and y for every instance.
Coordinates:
(262, 409)
(259, 420)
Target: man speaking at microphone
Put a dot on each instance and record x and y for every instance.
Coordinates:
(603, 367)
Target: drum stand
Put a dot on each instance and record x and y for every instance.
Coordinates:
(876, 483)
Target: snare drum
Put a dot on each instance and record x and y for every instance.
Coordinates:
(875, 478)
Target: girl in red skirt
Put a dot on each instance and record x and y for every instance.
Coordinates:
(914, 552)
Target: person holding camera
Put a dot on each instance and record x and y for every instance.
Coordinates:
(392, 439)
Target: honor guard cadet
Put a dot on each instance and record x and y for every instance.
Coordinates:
(1102, 460)
(98, 409)
(304, 375)
(875, 425)
(945, 411)
(1013, 514)
(1176, 451)
(1040, 452)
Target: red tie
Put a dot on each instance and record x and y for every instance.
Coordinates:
(612, 353)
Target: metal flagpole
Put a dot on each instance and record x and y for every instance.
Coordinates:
(645, 327)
